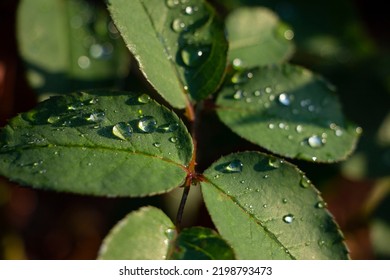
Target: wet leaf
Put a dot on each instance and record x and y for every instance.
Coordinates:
(289, 111)
(257, 37)
(268, 209)
(180, 46)
(97, 143)
(69, 45)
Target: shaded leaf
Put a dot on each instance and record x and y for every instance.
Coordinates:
(257, 37)
(267, 209)
(199, 243)
(98, 143)
(69, 45)
(290, 111)
(145, 234)
(180, 47)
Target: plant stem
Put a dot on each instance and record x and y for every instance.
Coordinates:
(183, 201)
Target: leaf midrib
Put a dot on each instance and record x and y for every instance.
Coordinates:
(269, 233)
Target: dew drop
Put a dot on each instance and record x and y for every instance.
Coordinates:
(178, 25)
(53, 119)
(143, 99)
(316, 141)
(288, 219)
(239, 94)
(147, 124)
(359, 130)
(284, 200)
(275, 162)
(321, 243)
(242, 181)
(241, 77)
(265, 205)
(321, 204)
(173, 139)
(170, 233)
(122, 130)
(288, 34)
(190, 10)
(157, 144)
(84, 62)
(169, 127)
(75, 106)
(172, 3)
(299, 128)
(193, 55)
(284, 99)
(96, 117)
(216, 176)
(305, 182)
(268, 89)
(234, 166)
(266, 176)
(237, 63)
(271, 126)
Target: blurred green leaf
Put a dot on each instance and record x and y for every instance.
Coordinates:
(288, 110)
(267, 209)
(181, 48)
(145, 234)
(257, 37)
(97, 143)
(69, 45)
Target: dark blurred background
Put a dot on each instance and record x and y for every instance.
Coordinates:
(347, 41)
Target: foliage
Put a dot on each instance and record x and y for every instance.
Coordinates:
(110, 142)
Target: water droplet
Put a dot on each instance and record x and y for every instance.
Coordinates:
(305, 182)
(170, 233)
(96, 117)
(284, 99)
(275, 162)
(75, 106)
(288, 34)
(316, 141)
(321, 243)
(271, 97)
(234, 166)
(193, 55)
(241, 77)
(257, 93)
(288, 219)
(321, 204)
(237, 63)
(173, 139)
(271, 126)
(93, 101)
(190, 10)
(84, 62)
(266, 176)
(169, 127)
(172, 3)
(147, 124)
(284, 200)
(157, 144)
(178, 25)
(122, 130)
(268, 89)
(239, 94)
(265, 205)
(359, 130)
(299, 128)
(242, 181)
(216, 177)
(143, 99)
(53, 119)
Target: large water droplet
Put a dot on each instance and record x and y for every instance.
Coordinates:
(234, 166)
(284, 99)
(316, 141)
(143, 99)
(122, 130)
(193, 55)
(299, 128)
(288, 219)
(169, 127)
(147, 124)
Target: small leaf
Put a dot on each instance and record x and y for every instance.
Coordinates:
(142, 235)
(180, 46)
(69, 45)
(270, 210)
(289, 111)
(257, 37)
(98, 143)
(199, 243)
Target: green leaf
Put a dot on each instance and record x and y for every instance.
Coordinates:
(98, 143)
(289, 111)
(69, 45)
(142, 235)
(267, 209)
(180, 47)
(258, 37)
(199, 243)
